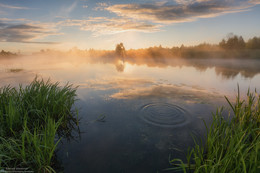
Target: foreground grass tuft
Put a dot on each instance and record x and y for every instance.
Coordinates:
(33, 118)
(231, 145)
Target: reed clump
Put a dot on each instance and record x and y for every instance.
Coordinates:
(231, 145)
(33, 119)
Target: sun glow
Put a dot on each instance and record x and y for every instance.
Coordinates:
(129, 68)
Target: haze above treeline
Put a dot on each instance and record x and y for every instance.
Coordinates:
(232, 46)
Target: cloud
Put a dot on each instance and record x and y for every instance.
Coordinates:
(13, 31)
(117, 83)
(255, 2)
(138, 88)
(151, 17)
(180, 11)
(66, 10)
(105, 26)
(180, 93)
(13, 7)
(70, 8)
(101, 6)
(14, 20)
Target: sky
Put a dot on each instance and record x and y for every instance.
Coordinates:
(32, 25)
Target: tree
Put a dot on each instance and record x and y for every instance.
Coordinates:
(7, 53)
(233, 42)
(241, 43)
(120, 50)
(223, 43)
(253, 43)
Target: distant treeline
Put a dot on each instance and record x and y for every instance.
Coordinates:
(231, 47)
(237, 42)
(7, 54)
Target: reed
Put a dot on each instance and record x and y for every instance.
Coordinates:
(232, 145)
(33, 119)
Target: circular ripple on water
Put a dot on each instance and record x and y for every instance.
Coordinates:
(165, 115)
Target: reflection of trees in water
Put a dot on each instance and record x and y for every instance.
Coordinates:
(227, 68)
(226, 72)
(120, 57)
(233, 72)
(230, 68)
(120, 66)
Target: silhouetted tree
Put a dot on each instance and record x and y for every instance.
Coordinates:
(253, 43)
(241, 43)
(120, 50)
(7, 53)
(223, 43)
(233, 42)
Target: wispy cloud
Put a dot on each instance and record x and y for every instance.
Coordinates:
(66, 10)
(71, 7)
(103, 25)
(151, 17)
(13, 7)
(181, 10)
(117, 83)
(14, 20)
(147, 17)
(12, 31)
(101, 6)
(138, 88)
(255, 1)
(188, 94)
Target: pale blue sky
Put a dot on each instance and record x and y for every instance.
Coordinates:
(31, 25)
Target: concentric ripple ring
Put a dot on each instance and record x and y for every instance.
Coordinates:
(165, 115)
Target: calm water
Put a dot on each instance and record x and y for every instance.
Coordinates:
(146, 108)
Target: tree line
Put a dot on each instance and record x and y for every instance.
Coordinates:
(231, 42)
(7, 53)
(237, 42)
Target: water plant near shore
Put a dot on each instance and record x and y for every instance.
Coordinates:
(33, 119)
(231, 145)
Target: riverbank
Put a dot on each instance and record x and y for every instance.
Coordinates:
(231, 145)
(33, 120)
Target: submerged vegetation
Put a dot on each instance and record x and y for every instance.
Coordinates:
(33, 119)
(231, 145)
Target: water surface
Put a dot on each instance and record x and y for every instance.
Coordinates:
(135, 113)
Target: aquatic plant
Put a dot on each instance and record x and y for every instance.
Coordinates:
(232, 145)
(33, 119)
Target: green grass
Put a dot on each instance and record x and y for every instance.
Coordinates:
(231, 145)
(33, 119)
